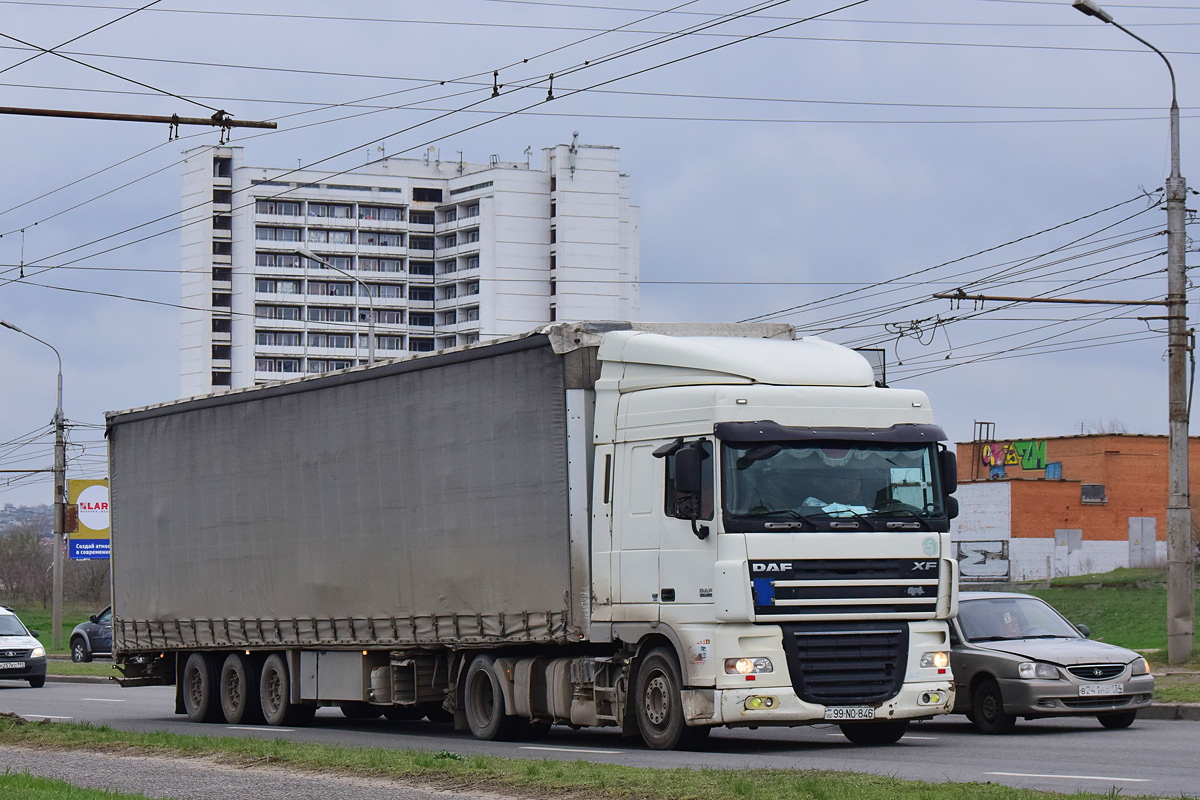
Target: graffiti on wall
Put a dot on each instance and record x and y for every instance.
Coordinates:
(1027, 454)
(983, 561)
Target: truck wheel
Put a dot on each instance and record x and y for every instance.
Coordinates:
(360, 710)
(874, 732)
(79, 651)
(987, 709)
(659, 706)
(1121, 719)
(274, 690)
(239, 690)
(200, 699)
(484, 702)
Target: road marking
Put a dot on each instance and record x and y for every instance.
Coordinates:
(259, 728)
(103, 700)
(1070, 777)
(574, 750)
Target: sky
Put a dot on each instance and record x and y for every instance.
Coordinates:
(824, 163)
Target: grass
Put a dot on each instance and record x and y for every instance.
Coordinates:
(558, 779)
(1177, 689)
(100, 667)
(30, 787)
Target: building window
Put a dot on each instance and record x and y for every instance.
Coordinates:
(471, 314)
(420, 268)
(273, 286)
(222, 273)
(553, 210)
(336, 340)
(329, 210)
(222, 326)
(420, 217)
(420, 319)
(472, 262)
(450, 318)
(385, 289)
(1092, 494)
(317, 314)
(277, 338)
(277, 364)
(222, 300)
(447, 266)
(282, 208)
(329, 289)
(388, 317)
(420, 344)
(449, 292)
(423, 294)
(553, 235)
(339, 262)
(269, 234)
(221, 351)
(382, 239)
(222, 196)
(471, 211)
(222, 222)
(222, 167)
(380, 265)
(277, 312)
(381, 213)
(471, 288)
(316, 236)
(420, 242)
(470, 236)
(451, 215)
(553, 288)
(471, 338)
(221, 379)
(421, 194)
(317, 365)
(389, 342)
(553, 314)
(277, 260)
(222, 248)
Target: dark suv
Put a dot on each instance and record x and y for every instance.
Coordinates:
(92, 638)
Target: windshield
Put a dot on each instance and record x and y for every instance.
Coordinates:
(995, 619)
(829, 480)
(11, 626)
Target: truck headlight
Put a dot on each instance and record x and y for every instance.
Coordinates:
(937, 660)
(1035, 669)
(38, 652)
(748, 666)
(1141, 667)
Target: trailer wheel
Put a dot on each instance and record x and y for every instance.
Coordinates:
(200, 699)
(659, 705)
(239, 690)
(484, 702)
(274, 689)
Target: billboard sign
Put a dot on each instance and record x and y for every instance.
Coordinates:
(93, 538)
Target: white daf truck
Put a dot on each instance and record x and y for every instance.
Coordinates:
(657, 528)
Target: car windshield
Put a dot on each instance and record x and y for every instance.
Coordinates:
(819, 480)
(11, 626)
(994, 619)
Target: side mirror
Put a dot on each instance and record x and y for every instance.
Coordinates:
(951, 507)
(94, 619)
(1084, 629)
(687, 470)
(33, 633)
(948, 466)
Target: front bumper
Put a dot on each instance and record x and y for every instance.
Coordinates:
(33, 668)
(728, 706)
(1043, 698)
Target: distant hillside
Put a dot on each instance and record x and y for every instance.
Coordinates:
(40, 518)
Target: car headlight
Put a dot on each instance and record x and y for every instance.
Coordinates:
(1141, 667)
(38, 652)
(937, 660)
(748, 666)
(1035, 669)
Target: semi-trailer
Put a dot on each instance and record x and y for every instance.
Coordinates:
(658, 528)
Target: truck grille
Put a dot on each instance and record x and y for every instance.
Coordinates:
(1096, 672)
(848, 663)
(874, 586)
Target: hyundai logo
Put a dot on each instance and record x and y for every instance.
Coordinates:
(1097, 672)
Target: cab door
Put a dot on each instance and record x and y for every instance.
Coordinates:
(688, 547)
(637, 521)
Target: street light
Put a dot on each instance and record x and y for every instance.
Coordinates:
(370, 300)
(60, 469)
(1181, 581)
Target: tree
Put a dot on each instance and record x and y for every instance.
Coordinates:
(25, 563)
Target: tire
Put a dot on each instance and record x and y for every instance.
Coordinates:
(38, 682)
(658, 703)
(874, 732)
(201, 699)
(274, 692)
(484, 703)
(239, 690)
(1117, 720)
(360, 710)
(79, 651)
(987, 709)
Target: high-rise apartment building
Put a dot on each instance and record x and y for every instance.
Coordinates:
(439, 253)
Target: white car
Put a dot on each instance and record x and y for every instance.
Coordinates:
(22, 657)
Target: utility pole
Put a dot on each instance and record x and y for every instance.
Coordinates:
(60, 482)
(1181, 569)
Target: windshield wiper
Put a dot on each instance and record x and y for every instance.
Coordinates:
(903, 512)
(841, 513)
(994, 638)
(785, 513)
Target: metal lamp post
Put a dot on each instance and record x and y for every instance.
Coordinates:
(1181, 581)
(305, 253)
(60, 480)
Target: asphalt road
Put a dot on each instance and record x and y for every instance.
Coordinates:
(1154, 757)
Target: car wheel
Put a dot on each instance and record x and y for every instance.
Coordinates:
(987, 709)
(38, 682)
(874, 732)
(79, 651)
(1121, 719)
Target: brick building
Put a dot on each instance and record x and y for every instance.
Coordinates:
(1067, 505)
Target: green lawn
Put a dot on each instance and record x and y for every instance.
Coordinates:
(29, 787)
(101, 666)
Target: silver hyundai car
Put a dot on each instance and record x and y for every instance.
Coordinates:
(1014, 656)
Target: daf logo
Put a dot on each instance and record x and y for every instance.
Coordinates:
(914, 591)
(772, 566)
(924, 566)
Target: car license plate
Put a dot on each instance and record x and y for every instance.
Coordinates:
(850, 712)
(12, 665)
(1095, 689)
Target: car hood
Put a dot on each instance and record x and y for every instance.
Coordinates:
(1065, 652)
(18, 643)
